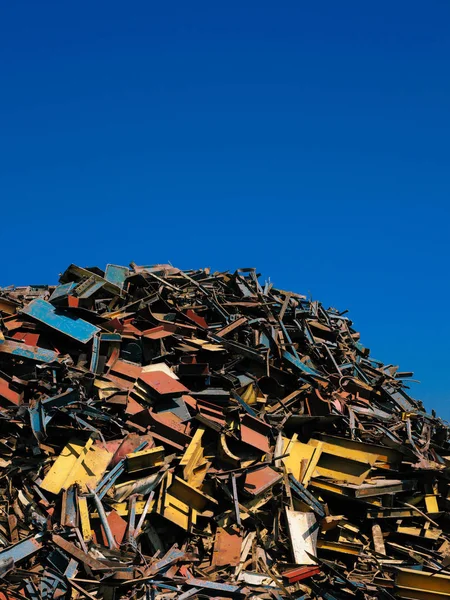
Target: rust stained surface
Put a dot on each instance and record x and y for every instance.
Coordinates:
(211, 412)
(159, 332)
(220, 434)
(197, 318)
(128, 445)
(227, 547)
(133, 407)
(255, 432)
(259, 480)
(7, 393)
(118, 528)
(299, 573)
(124, 374)
(31, 339)
(162, 383)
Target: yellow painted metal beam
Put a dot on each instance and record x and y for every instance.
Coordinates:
(78, 463)
(302, 459)
(145, 459)
(190, 495)
(174, 509)
(249, 394)
(342, 547)
(383, 453)
(431, 504)
(431, 533)
(193, 460)
(422, 585)
(343, 464)
(84, 518)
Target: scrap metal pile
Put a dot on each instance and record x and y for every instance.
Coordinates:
(188, 434)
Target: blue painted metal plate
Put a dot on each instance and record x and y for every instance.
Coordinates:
(86, 289)
(25, 351)
(23, 549)
(62, 290)
(116, 274)
(69, 325)
(110, 337)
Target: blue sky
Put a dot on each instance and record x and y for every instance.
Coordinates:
(310, 140)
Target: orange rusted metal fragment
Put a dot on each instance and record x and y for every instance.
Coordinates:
(227, 548)
(118, 528)
(258, 481)
(162, 383)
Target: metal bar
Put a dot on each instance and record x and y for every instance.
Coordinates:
(144, 514)
(104, 520)
(236, 500)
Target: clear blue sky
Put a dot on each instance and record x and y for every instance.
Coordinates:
(308, 139)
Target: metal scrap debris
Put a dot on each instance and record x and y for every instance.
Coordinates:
(189, 434)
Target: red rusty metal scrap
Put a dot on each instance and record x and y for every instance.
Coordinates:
(189, 401)
(255, 432)
(299, 573)
(8, 307)
(162, 383)
(79, 555)
(12, 323)
(27, 338)
(132, 406)
(197, 318)
(227, 547)
(163, 425)
(126, 446)
(180, 434)
(125, 373)
(161, 331)
(8, 393)
(211, 412)
(118, 527)
(259, 480)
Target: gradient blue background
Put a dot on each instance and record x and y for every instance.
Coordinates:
(310, 140)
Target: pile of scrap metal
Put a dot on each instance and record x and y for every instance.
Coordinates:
(188, 434)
